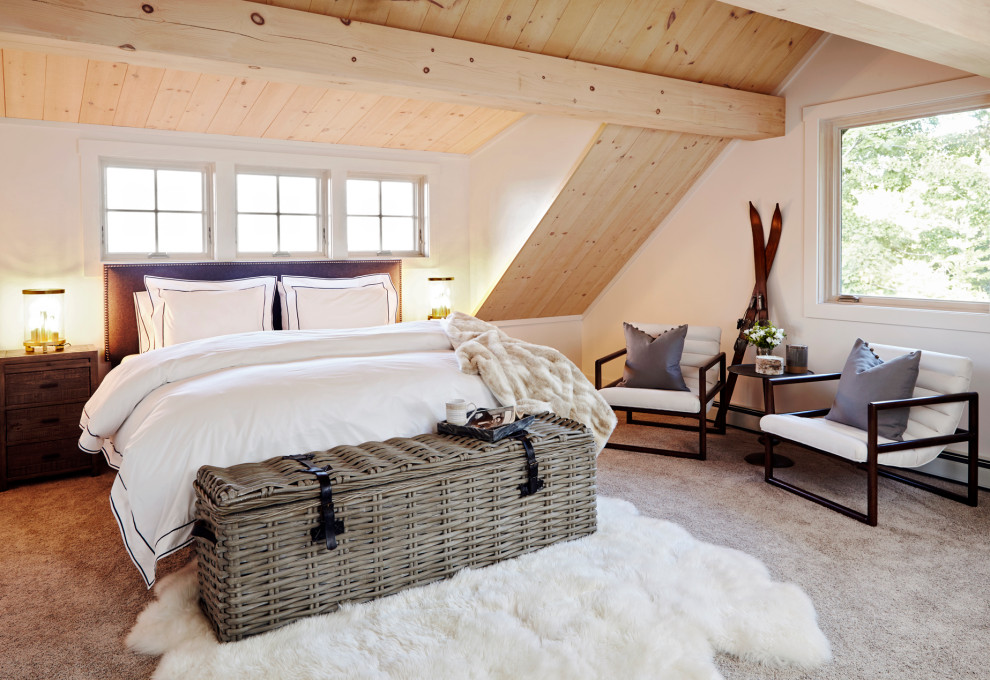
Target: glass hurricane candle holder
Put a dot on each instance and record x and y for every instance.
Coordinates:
(439, 296)
(44, 319)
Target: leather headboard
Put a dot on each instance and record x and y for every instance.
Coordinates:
(121, 281)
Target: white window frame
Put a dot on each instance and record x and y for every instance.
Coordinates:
(419, 214)
(322, 205)
(149, 148)
(208, 209)
(823, 124)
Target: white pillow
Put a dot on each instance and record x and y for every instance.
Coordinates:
(290, 305)
(341, 307)
(156, 285)
(196, 314)
(142, 311)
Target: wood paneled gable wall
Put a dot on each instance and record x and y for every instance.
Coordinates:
(675, 80)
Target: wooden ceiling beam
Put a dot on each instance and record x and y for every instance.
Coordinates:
(949, 32)
(232, 37)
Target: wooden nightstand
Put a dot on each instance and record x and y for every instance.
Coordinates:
(41, 401)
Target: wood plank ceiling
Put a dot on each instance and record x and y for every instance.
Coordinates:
(626, 185)
(631, 178)
(76, 90)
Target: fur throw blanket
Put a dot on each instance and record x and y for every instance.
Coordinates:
(533, 377)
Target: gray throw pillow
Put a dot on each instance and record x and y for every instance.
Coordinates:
(866, 378)
(654, 363)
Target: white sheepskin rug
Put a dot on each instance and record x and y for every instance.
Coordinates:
(639, 599)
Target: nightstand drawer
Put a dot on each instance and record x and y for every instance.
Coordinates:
(43, 423)
(53, 385)
(42, 458)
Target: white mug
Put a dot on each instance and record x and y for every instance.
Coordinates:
(459, 412)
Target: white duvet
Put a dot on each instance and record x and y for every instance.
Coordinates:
(161, 415)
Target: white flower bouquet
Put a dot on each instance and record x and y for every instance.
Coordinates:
(764, 335)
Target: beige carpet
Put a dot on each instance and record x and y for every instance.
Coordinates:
(908, 599)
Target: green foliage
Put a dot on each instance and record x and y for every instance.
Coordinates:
(764, 334)
(916, 208)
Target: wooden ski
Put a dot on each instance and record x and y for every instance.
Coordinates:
(763, 257)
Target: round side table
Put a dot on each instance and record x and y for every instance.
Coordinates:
(749, 371)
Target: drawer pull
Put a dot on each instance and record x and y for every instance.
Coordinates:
(51, 456)
(48, 385)
(50, 421)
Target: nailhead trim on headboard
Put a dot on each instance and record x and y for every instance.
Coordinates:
(118, 299)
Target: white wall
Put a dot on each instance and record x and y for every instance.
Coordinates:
(49, 230)
(45, 233)
(563, 333)
(514, 180)
(41, 232)
(698, 267)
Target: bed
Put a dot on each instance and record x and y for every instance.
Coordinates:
(248, 396)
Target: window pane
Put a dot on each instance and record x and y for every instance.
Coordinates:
(297, 194)
(180, 232)
(130, 189)
(914, 222)
(397, 198)
(362, 234)
(256, 193)
(130, 232)
(257, 233)
(397, 233)
(180, 190)
(362, 197)
(298, 233)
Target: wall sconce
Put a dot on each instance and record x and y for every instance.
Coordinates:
(44, 319)
(439, 296)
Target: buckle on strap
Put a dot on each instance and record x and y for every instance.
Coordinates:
(533, 483)
(329, 526)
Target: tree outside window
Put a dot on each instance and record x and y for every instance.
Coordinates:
(915, 208)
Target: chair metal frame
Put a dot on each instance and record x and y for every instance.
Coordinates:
(704, 397)
(875, 448)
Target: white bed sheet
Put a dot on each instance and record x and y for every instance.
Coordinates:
(250, 397)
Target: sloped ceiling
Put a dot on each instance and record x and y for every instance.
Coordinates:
(698, 40)
(629, 181)
(631, 178)
(74, 89)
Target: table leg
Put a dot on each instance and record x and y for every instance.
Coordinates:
(779, 461)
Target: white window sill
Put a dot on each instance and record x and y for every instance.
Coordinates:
(899, 316)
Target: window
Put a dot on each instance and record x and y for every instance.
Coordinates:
(384, 216)
(156, 211)
(225, 202)
(280, 214)
(907, 208)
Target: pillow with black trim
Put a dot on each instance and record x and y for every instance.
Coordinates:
(654, 363)
(323, 316)
(865, 378)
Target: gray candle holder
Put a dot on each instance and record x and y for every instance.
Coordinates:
(796, 359)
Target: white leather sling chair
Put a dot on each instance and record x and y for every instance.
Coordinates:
(703, 369)
(936, 409)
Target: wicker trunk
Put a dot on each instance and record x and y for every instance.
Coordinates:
(407, 512)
